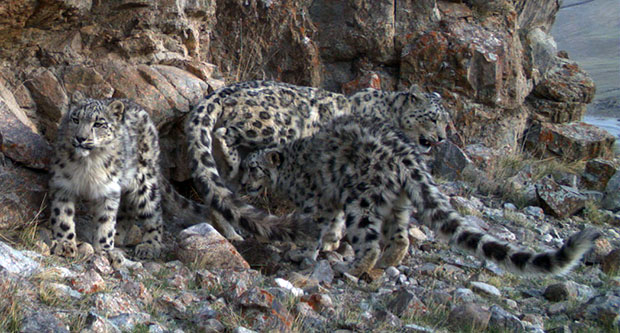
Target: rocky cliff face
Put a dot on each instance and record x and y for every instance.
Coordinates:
(492, 61)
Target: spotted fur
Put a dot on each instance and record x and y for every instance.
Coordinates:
(374, 176)
(247, 116)
(107, 152)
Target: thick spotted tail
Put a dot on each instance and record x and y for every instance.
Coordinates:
(436, 212)
(250, 218)
(224, 206)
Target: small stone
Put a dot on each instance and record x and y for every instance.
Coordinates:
(256, 297)
(392, 272)
(284, 284)
(62, 291)
(534, 211)
(561, 329)
(102, 265)
(321, 303)
(511, 303)
(502, 320)
(556, 292)
(115, 303)
(416, 235)
(597, 174)
(97, 323)
(510, 207)
(310, 320)
(611, 262)
(350, 278)
(388, 318)
(557, 308)
(205, 313)
(211, 326)
(137, 290)
(127, 322)
(88, 282)
(242, 329)
(485, 289)
(464, 295)
(413, 328)
(602, 248)
(42, 321)
(172, 305)
(201, 244)
(323, 272)
(469, 314)
(85, 250)
(405, 302)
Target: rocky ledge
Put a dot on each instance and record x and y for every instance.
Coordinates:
(519, 163)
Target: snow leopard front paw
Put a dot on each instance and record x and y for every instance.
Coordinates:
(146, 250)
(64, 248)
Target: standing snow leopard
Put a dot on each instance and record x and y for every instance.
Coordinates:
(251, 115)
(107, 152)
(372, 173)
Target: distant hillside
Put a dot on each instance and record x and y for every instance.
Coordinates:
(590, 32)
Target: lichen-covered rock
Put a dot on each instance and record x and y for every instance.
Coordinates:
(571, 142)
(469, 314)
(566, 82)
(559, 200)
(611, 199)
(14, 262)
(471, 60)
(22, 194)
(449, 161)
(88, 283)
(597, 174)
(203, 245)
(18, 137)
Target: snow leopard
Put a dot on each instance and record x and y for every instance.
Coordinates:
(246, 116)
(374, 175)
(107, 153)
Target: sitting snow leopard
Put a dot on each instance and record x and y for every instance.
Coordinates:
(250, 115)
(373, 175)
(107, 152)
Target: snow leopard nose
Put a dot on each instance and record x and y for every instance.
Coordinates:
(80, 139)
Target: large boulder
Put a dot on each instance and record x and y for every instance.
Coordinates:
(559, 200)
(571, 142)
(19, 140)
(469, 59)
(201, 244)
(22, 194)
(611, 200)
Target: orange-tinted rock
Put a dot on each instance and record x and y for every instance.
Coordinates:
(19, 142)
(597, 173)
(203, 245)
(48, 94)
(368, 80)
(558, 200)
(571, 142)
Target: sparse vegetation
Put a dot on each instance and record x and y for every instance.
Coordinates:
(11, 313)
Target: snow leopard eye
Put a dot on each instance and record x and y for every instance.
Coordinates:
(100, 124)
(76, 120)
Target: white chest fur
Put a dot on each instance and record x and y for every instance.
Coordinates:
(88, 178)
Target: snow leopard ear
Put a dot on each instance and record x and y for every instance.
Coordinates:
(274, 158)
(77, 96)
(117, 110)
